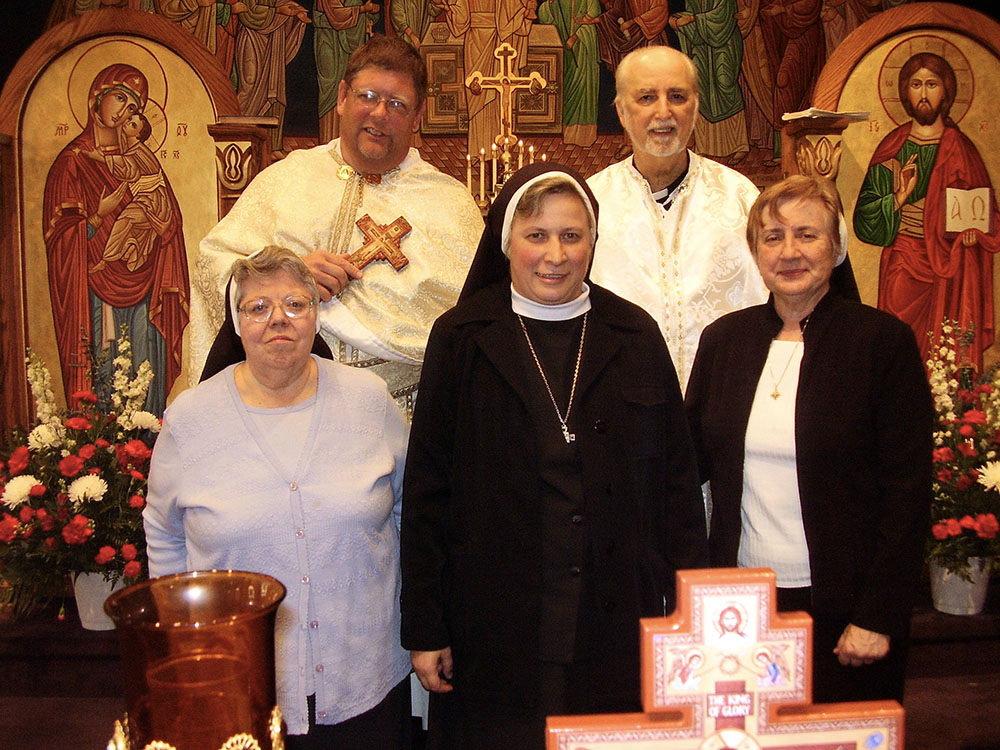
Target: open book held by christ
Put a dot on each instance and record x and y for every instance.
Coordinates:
(968, 209)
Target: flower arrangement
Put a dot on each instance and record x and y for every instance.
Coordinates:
(966, 501)
(74, 486)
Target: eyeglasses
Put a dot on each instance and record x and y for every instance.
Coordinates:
(259, 310)
(369, 99)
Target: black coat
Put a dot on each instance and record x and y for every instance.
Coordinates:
(863, 442)
(471, 536)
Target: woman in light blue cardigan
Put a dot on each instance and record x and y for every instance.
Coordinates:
(291, 465)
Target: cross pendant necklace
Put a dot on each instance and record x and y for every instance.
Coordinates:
(568, 436)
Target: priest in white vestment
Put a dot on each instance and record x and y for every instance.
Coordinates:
(672, 228)
(374, 317)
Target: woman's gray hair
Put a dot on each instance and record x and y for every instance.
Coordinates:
(263, 264)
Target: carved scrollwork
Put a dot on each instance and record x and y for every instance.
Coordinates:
(821, 158)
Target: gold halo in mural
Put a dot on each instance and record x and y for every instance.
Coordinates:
(888, 77)
(97, 58)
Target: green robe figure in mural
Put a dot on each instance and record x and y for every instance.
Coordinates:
(410, 18)
(710, 35)
(575, 21)
(339, 28)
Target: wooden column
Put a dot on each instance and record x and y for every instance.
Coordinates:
(13, 385)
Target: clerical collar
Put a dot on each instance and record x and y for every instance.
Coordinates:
(537, 311)
(674, 190)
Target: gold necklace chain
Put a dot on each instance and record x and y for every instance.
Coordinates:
(776, 394)
(567, 435)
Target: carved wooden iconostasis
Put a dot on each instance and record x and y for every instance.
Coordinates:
(969, 44)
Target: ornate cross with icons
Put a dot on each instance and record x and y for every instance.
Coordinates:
(381, 242)
(726, 671)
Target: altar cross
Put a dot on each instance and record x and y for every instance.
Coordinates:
(506, 82)
(726, 671)
(381, 242)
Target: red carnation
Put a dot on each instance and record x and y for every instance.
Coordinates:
(8, 528)
(26, 514)
(129, 552)
(967, 431)
(967, 449)
(944, 454)
(37, 490)
(944, 475)
(137, 501)
(87, 452)
(102, 443)
(138, 475)
(940, 531)
(70, 466)
(132, 569)
(954, 528)
(18, 460)
(964, 482)
(966, 522)
(78, 530)
(45, 519)
(133, 453)
(52, 543)
(104, 555)
(984, 388)
(88, 396)
(79, 423)
(974, 416)
(987, 526)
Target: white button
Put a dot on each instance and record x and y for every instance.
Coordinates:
(305, 579)
(293, 486)
(319, 667)
(300, 533)
(314, 624)
(321, 714)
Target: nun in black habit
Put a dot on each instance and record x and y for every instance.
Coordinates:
(551, 489)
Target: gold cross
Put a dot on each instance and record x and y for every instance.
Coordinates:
(505, 83)
(381, 242)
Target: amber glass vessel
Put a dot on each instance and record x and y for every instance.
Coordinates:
(198, 655)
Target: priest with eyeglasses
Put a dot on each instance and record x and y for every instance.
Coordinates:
(388, 237)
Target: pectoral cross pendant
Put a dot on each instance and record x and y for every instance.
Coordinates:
(775, 394)
(570, 436)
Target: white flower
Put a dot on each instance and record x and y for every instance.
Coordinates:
(989, 475)
(87, 487)
(140, 420)
(44, 436)
(17, 489)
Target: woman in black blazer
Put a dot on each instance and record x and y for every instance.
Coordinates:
(812, 419)
(551, 488)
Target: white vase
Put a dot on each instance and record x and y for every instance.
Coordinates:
(953, 594)
(90, 590)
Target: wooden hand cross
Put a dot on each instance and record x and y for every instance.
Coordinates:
(381, 242)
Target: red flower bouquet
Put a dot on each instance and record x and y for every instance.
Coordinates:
(72, 488)
(966, 505)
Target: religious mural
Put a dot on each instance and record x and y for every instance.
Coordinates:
(114, 239)
(918, 180)
(115, 178)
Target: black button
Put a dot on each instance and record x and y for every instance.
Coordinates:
(609, 606)
(600, 425)
(577, 519)
(574, 570)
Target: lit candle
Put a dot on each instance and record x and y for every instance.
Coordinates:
(468, 171)
(493, 158)
(520, 154)
(482, 174)
(531, 154)
(545, 157)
